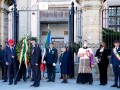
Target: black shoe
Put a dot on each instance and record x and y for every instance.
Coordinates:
(65, 81)
(90, 83)
(32, 85)
(32, 79)
(104, 84)
(49, 80)
(118, 86)
(114, 85)
(15, 83)
(53, 80)
(100, 84)
(5, 81)
(60, 78)
(10, 84)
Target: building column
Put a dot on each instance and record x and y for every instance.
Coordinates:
(91, 21)
(4, 21)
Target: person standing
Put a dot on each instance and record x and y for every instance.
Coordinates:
(60, 59)
(35, 62)
(102, 58)
(10, 59)
(115, 63)
(1, 61)
(65, 65)
(5, 67)
(86, 64)
(50, 61)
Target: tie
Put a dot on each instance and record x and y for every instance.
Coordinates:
(12, 50)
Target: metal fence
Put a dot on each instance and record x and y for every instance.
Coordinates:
(110, 26)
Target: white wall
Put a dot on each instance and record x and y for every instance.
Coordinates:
(57, 30)
(113, 2)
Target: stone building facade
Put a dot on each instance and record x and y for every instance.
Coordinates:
(4, 5)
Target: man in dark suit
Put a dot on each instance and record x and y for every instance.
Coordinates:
(115, 63)
(51, 60)
(1, 61)
(35, 62)
(10, 59)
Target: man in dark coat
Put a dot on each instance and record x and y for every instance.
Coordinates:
(1, 61)
(51, 60)
(115, 63)
(10, 59)
(4, 65)
(35, 62)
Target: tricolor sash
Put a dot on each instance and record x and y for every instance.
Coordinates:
(116, 54)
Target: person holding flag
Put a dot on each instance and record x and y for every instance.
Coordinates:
(10, 59)
(115, 63)
(23, 60)
(35, 61)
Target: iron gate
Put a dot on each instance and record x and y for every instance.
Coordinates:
(110, 26)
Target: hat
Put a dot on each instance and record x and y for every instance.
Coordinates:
(11, 41)
(116, 41)
(33, 39)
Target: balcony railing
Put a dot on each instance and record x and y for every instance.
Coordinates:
(54, 16)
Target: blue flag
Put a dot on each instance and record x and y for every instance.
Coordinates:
(48, 40)
(14, 1)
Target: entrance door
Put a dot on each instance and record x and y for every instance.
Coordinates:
(58, 42)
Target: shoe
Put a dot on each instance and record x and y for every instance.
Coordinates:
(49, 80)
(100, 84)
(118, 86)
(114, 85)
(10, 84)
(53, 80)
(104, 84)
(15, 83)
(32, 85)
(90, 83)
(60, 78)
(32, 79)
(63, 81)
(5, 81)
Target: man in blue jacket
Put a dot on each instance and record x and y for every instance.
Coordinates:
(10, 59)
(1, 61)
(115, 63)
(51, 60)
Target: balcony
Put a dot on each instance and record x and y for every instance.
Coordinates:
(51, 16)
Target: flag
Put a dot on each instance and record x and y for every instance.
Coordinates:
(48, 39)
(25, 50)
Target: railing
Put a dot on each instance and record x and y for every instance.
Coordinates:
(54, 16)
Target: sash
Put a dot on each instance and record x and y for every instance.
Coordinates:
(116, 54)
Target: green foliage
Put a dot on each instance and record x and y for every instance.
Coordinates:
(19, 48)
(109, 36)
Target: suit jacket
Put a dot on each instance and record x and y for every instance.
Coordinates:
(35, 55)
(113, 60)
(51, 56)
(103, 56)
(9, 54)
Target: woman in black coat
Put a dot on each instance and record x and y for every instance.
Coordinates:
(65, 65)
(102, 58)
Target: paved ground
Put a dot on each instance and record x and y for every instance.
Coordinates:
(56, 86)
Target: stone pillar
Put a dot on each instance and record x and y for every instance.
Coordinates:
(91, 21)
(4, 20)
